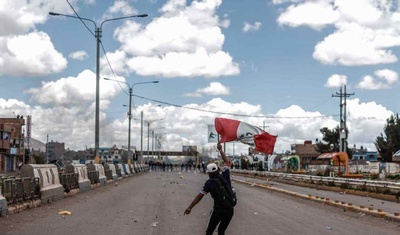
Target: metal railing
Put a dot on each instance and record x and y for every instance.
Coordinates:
(19, 189)
(379, 186)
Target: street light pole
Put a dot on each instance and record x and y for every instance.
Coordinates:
(129, 123)
(98, 34)
(148, 134)
(130, 108)
(141, 136)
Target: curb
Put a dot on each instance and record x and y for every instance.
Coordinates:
(349, 206)
(23, 206)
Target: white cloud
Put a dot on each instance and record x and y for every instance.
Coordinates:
(365, 29)
(356, 45)
(251, 27)
(316, 14)
(119, 7)
(183, 34)
(215, 88)
(74, 91)
(30, 55)
(225, 23)
(118, 61)
(199, 63)
(78, 55)
(384, 80)
(365, 122)
(336, 80)
(22, 16)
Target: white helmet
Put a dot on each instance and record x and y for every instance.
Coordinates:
(212, 167)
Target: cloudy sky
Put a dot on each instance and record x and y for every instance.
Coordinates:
(271, 63)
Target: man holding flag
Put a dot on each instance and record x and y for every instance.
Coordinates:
(222, 212)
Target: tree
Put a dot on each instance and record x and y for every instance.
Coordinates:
(331, 137)
(389, 143)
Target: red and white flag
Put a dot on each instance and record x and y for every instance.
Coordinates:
(234, 130)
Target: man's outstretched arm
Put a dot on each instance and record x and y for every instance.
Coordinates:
(223, 155)
(196, 200)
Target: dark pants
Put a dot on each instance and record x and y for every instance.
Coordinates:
(221, 217)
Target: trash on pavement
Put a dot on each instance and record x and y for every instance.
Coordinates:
(65, 213)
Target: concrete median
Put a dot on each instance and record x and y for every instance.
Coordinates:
(50, 187)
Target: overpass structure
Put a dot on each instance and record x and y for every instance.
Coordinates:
(181, 156)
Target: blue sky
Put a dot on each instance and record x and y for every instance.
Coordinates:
(281, 59)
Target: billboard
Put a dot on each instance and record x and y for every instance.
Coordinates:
(212, 134)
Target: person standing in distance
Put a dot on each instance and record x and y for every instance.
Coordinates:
(220, 214)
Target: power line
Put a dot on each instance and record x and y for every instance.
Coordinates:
(76, 13)
(232, 114)
(112, 70)
(101, 43)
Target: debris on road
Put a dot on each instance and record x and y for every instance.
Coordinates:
(65, 213)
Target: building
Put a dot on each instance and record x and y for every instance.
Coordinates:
(111, 155)
(11, 143)
(54, 150)
(307, 152)
(364, 154)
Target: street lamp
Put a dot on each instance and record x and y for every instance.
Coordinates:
(141, 131)
(98, 32)
(148, 134)
(130, 108)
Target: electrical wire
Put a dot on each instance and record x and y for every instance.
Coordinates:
(76, 13)
(232, 114)
(101, 43)
(112, 70)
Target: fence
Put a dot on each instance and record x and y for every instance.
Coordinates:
(19, 189)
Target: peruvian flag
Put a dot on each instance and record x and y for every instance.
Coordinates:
(234, 130)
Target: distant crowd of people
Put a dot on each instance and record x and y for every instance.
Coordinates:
(187, 167)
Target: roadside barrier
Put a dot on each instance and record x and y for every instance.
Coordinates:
(132, 169)
(49, 182)
(327, 201)
(121, 171)
(81, 171)
(111, 171)
(126, 169)
(93, 174)
(3, 206)
(357, 184)
(101, 174)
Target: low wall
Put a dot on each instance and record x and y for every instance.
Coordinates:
(50, 187)
(102, 175)
(112, 172)
(127, 170)
(120, 167)
(3, 205)
(83, 179)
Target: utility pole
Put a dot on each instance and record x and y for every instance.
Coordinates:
(343, 128)
(47, 150)
(129, 120)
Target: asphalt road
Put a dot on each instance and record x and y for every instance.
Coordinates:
(153, 203)
(386, 206)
